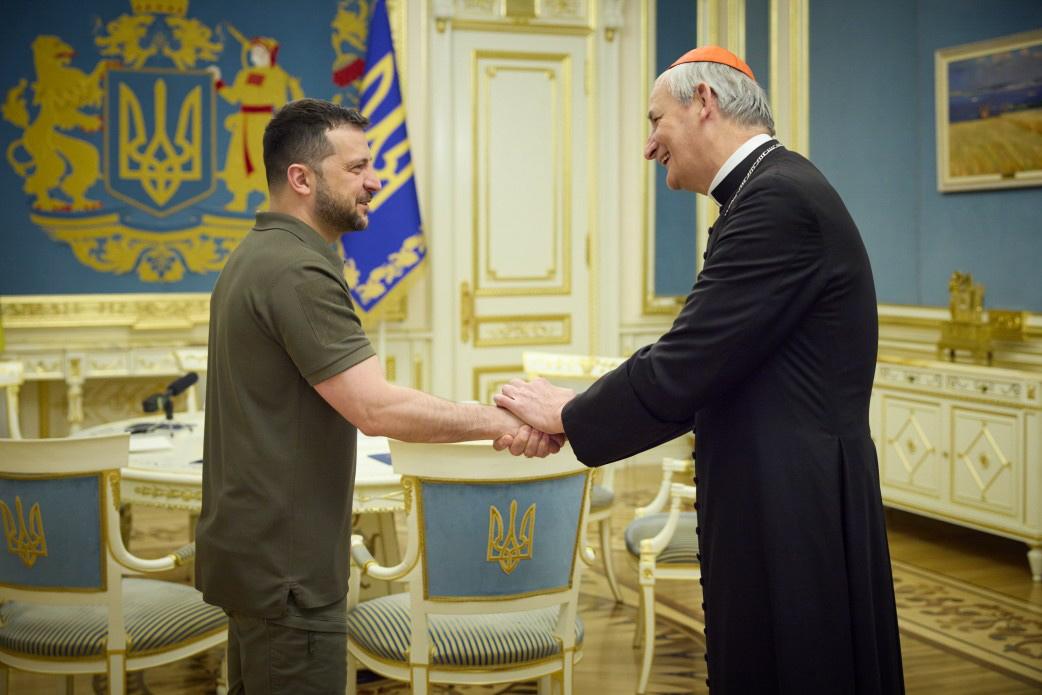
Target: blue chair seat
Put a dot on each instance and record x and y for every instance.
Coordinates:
(158, 616)
(381, 627)
(682, 548)
(600, 498)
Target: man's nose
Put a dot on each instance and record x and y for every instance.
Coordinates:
(373, 183)
(650, 148)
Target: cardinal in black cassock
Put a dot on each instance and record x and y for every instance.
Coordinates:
(771, 362)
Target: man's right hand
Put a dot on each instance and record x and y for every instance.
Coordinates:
(530, 443)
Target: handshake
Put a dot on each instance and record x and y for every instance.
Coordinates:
(532, 417)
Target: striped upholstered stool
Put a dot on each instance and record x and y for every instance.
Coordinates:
(492, 565)
(663, 545)
(66, 608)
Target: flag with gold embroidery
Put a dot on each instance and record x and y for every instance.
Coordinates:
(379, 260)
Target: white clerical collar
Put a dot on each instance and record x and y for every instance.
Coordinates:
(735, 159)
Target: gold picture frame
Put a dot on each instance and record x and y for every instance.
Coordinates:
(989, 114)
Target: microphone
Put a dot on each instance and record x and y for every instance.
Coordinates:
(178, 385)
(165, 400)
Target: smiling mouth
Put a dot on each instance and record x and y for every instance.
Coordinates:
(665, 160)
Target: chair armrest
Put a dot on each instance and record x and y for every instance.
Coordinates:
(361, 558)
(366, 564)
(657, 543)
(141, 565)
(670, 467)
(185, 553)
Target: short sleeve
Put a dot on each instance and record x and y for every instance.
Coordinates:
(312, 315)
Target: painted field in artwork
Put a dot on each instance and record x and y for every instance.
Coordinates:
(1000, 145)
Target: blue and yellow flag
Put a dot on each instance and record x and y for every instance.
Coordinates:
(379, 259)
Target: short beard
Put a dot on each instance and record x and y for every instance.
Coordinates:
(333, 213)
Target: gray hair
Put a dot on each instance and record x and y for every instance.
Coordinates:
(741, 99)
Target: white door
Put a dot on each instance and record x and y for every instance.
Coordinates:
(520, 205)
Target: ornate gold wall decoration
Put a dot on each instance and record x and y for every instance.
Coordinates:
(152, 93)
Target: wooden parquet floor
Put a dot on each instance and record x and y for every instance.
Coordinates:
(971, 618)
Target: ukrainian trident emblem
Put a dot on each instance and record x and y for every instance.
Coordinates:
(160, 153)
(509, 546)
(28, 542)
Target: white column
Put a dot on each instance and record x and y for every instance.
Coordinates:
(720, 23)
(790, 72)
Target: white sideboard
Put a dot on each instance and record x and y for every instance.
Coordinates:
(962, 443)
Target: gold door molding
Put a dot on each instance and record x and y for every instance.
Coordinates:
(488, 380)
(498, 77)
(498, 331)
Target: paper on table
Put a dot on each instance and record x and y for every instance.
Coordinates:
(154, 443)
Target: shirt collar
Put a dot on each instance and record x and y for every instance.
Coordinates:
(734, 160)
(300, 229)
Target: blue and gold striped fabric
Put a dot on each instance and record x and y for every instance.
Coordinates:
(600, 497)
(158, 615)
(381, 627)
(682, 548)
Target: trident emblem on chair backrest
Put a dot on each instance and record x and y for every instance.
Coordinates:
(507, 546)
(27, 542)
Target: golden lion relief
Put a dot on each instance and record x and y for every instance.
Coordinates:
(55, 160)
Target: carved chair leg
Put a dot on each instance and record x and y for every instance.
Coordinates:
(648, 593)
(638, 631)
(609, 565)
(352, 675)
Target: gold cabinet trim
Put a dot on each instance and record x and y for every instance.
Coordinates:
(1017, 405)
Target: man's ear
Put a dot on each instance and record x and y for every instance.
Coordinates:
(300, 178)
(704, 94)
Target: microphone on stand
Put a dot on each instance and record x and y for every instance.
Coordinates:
(165, 400)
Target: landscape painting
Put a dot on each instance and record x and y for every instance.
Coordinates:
(989, 114)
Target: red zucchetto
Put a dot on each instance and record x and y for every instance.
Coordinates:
(715, 54)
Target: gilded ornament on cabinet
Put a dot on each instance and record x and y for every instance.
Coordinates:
(966, 330)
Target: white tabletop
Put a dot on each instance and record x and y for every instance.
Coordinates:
(173, 451)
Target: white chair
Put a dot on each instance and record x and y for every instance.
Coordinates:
(11, 379)
(664, 546)
(491, 567)
(66, 606)
(578, 372)
(193, 359)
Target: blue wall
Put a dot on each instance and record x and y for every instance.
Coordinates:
(675, 242)
(873, 134)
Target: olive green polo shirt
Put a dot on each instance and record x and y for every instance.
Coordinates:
(279, 462)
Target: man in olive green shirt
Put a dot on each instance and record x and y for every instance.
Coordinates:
(291, 375)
